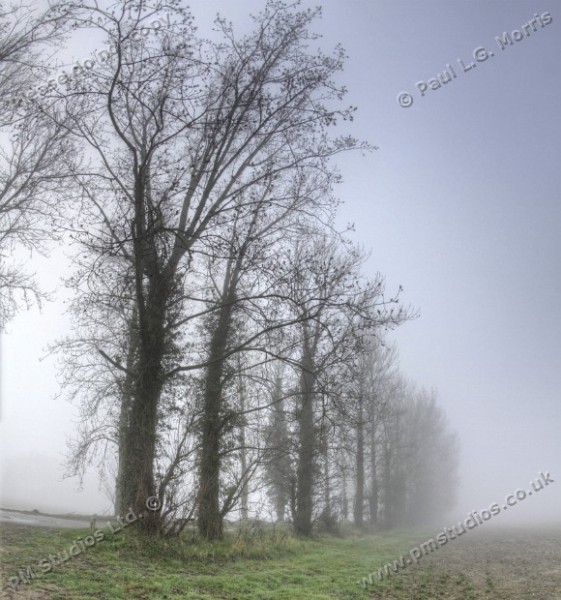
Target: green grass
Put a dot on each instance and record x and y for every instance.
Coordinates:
(258, 565)
(266, 564)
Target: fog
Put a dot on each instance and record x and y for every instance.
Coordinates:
(460, 205)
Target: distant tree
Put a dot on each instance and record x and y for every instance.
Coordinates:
(384, 384)
(371, 374)
(252, 290)
(416, 456)
(279, 473)
(338, 308)
(432, 459)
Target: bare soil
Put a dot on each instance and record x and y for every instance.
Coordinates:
(493, 563)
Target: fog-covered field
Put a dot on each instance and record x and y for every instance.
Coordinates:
(497, 563)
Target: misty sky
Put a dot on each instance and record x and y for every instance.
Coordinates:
(461, 204)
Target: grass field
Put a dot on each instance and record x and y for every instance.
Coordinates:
(265, 565)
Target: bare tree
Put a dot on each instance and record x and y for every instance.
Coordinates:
(431, 460)
(337, 309)
(30, 156)
(254, 288)
(279, 471)
(178, 131)
(370, 373)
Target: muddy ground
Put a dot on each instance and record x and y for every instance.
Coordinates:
(495, 563)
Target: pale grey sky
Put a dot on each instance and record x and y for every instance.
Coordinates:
(461, 205)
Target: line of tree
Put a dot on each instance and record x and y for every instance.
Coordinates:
(228, 352)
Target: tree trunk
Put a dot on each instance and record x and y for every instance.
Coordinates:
(124, 416)
(373, 497)
(123, 427)
(306, 450)
(359, 494)
(243, 450)
(210, 521)
(327, 479)
(388, 492)
(279, 469)
(344, 497)
(140, 445)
